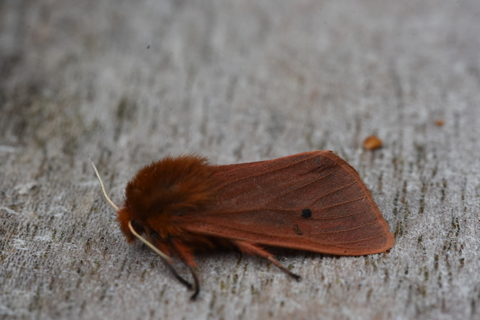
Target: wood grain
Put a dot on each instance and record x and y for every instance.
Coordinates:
(236, 81)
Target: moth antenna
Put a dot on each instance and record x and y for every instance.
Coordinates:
(103, 187)
(151, 246)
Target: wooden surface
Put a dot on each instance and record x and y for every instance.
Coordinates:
(128, 82)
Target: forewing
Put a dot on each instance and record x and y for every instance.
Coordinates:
(311, 201)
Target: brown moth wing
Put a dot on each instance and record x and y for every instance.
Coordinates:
(312, 201)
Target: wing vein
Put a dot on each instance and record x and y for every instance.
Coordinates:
(329, 193)
(306, 184)
(266, 172)
(339, 217)
(357, 241)
(342, 203)
(251, 210)
(285, 238)
(348, 230)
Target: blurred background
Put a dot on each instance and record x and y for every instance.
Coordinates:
(130, 82)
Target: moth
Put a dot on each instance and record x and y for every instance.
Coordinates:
(313, 201)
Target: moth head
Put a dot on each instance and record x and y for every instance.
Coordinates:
(164, 190)
(126, 222)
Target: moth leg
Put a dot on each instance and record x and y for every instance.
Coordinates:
(163, 248)
(179, 278)
(250, 248)
(186, 256)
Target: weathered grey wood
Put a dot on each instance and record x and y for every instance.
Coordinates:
(127, 82)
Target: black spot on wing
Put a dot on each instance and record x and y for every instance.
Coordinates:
(306, 213)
